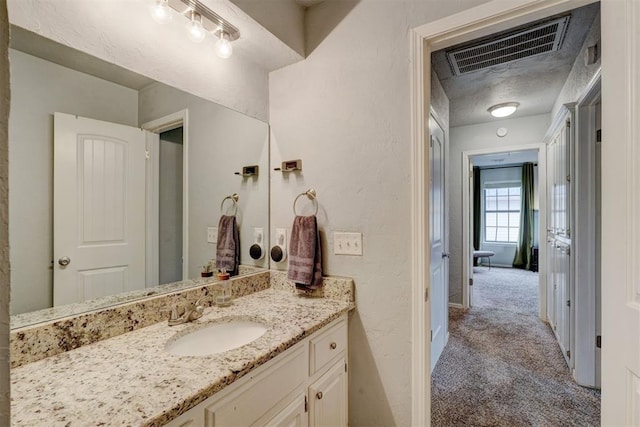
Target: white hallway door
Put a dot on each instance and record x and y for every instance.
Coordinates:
(99, 209)
(439, 256)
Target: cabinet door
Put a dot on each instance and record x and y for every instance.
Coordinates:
(328, 398)
(294, 415)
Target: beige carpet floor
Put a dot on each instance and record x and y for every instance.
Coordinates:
(502, 365)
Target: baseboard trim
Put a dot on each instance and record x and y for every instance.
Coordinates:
(455, 305)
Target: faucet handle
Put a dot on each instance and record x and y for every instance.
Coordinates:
(174, 313)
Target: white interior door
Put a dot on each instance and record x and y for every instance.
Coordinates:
(439, 256)
(99, 209)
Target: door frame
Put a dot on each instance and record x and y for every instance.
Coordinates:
(467, 263)
(157, 126)
(469, 24)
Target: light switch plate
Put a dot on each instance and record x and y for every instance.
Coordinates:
(212, 234)
(281, 237)
(347, 243)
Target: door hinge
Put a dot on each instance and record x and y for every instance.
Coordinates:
(568, 178)
(598, 341)
(305, 404)
(568, 123)
(568, 303)
(568, 251)
(599, 135)
(569, 354)
(431, 339)
(431, 142)
(147, 154)
(426, 294)
(345, 366)
(470, 281)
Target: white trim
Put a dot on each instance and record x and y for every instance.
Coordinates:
(584, 237)
(542, 203)
(420, 251)
(164, 124)
(466, 25)
(455, 305)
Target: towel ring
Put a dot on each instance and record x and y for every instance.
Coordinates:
(311, 195)
(234, 198)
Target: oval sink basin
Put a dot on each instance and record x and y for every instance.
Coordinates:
(217, 338)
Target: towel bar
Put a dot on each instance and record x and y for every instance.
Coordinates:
(311, 195)
(234, 198)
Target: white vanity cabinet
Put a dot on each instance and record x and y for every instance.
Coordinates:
(304, 386)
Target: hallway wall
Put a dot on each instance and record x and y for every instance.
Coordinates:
(345, 111)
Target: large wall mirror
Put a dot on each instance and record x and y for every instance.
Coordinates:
(191, 161)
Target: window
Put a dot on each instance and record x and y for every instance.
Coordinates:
(502, 213)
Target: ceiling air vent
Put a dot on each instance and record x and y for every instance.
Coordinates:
(527, 42)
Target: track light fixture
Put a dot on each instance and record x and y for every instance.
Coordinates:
(202, 21)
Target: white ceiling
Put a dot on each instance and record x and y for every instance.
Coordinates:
(533, 82)
(505, 159)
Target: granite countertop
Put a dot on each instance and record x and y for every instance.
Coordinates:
(131, 380)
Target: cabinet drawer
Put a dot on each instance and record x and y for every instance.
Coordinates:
(327, 346)
(260, 394)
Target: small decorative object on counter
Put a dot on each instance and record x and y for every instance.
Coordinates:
(225, 297)
(206, 271)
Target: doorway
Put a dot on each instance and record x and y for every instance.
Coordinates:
(167, 199)
(619, 24)
(171, 159)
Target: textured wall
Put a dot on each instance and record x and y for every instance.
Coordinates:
(4, 217)
(581, 74)
(126, 35)
(41, 88)
(345, 111)
(522, 131)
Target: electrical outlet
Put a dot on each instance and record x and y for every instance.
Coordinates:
(212, 234)
(258, 235)
(347, 243)
(281, 237)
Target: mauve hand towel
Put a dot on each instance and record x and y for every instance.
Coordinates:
(228, 246)
(305, 254)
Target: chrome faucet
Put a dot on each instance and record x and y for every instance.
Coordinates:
(186, 314)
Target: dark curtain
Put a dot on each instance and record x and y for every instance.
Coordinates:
(525, 239)
(477, 209)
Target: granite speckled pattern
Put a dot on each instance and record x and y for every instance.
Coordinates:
(36, 342)
(334, 287)
(130, 380)
(53, 313)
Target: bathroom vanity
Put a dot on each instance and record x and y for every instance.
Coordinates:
(294, 374)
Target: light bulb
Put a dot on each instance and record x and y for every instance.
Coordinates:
(223, 46)
(160, 11)
(195, 30)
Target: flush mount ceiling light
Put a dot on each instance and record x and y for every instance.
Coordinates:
(202, 21)
(160, 11)
(195, 30)
(503, 110)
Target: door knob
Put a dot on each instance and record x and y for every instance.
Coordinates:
(64, 261)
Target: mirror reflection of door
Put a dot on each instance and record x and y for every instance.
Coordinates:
(170, 206)
(98, 209)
